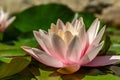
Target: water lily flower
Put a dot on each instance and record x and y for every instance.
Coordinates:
(4, 21)
(69, 46)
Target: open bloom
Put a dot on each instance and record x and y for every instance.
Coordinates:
(4, 21)
(69, 46)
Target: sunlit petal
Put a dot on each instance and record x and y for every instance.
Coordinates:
(54, 29)
(44, 41)
(84, 42)
(90, 55)
(59, 46)
(73, 52)
(60, 24)
(68, 37)
(93, 30)
(43, 57)
(99, 36)
(4, 20)
(30, 51)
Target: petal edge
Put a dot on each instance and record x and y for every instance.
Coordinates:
(103, 61)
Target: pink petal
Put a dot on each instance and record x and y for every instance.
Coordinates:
(99, 36)
(2, 15)
(103, 61)
(81, 21)
(60, 24)
(89, 56)
(53, 29)
(97, 39)
(79, 24)
(30, 51)
(43, 57)
(67, 37)
(44, 41)
(84, 42)
(58, 46)
(10, 21)
(74, 22)
(74, 50)
(93, 30)
(75, 19)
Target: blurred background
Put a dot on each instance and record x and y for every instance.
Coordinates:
(107, 10)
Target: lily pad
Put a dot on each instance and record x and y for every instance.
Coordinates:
(102, 77)
(14, 66)
(40, 17)
(115, 39)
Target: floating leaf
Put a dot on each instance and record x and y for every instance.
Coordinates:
(115, 39)
(44, 75)
(102, 77)
(14, 66)
(15, 50)
(12, 57)
(40, 17)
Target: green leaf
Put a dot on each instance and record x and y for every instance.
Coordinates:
(102, 77)
(14, 66)
(23, 75)
(5, 59)
(115, 39)
(44, 75)
(40, 17)
(12, 57)
(1, 35)
(115, 48)
(7, 51)
(15, 50)
(10, 34)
